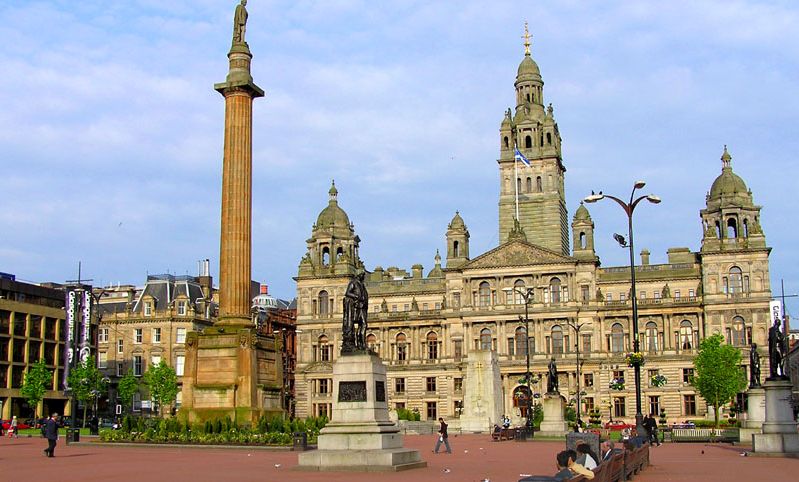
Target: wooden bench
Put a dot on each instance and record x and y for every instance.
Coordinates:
(705, 435)
(503, 434)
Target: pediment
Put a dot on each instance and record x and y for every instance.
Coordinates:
(517, 253)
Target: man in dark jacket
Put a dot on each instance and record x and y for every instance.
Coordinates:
(51, 434)
(443, 437)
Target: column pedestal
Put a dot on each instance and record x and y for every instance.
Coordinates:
(554, 424)
(779, 435)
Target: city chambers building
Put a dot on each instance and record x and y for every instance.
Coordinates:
(424, 325)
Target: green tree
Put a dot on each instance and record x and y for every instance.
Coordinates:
(87, 382)
(126, 388)
(37, 380)
(163, 384)
(718, 375)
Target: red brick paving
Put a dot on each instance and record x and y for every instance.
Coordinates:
(475, 458)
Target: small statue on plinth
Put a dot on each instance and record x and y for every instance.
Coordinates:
(356, 307)
(552, 377)
(777, 349)
(240, 22)
(754, 367)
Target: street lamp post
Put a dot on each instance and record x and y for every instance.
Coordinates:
(577, 327)
(629, 208)
(527, 295)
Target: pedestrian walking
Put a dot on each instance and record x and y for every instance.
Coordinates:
(51, 433)
(12, 432)
(443, 437)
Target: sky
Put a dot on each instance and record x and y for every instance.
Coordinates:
(111, 132)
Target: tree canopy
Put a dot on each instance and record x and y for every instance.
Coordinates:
(87, 382)
(163, 384)
(718, 376)
(126, 388)
(37, 380)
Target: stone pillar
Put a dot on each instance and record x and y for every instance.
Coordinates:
(482, 392)
(236, 233)
(554, 423)
(756, 408)
(779, 430)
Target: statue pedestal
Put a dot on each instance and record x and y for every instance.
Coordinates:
(553, 424)
(360, 437)
(779, 430)
(482, 404)
(755, 414)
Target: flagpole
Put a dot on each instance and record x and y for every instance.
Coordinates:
(516, 181)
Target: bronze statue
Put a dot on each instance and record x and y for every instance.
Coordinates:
(754, 367)
(356, 306)
(552, 377)
(777, 348)
(240, 22)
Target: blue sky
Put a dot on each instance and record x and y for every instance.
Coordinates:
(111, 132)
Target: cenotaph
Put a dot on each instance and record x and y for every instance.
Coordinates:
(482, 394)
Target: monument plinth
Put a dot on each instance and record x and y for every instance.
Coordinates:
(231, 370)
(554, 423)
(779, 430)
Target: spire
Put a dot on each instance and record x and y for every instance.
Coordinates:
(725, 158)
(333, 191)
(526, 38)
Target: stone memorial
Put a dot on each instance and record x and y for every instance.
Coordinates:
(482, 394)
(360, 436)
(554, 423)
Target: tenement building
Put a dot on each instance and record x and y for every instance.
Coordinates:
(425, 324)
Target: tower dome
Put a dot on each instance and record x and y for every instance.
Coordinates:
(728, 183)
(582, 213)
(457, 222)
(333, 215)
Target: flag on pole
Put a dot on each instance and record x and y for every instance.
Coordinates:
(520, 157)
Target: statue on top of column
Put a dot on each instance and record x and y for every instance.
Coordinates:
(356, 306)
(552, 377)
(240, 22)
(777, 349)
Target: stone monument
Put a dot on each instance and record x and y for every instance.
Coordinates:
(756, 398)
(360, 436)
(779, 435)
(232, 370)
(554, 423)
(482, 392)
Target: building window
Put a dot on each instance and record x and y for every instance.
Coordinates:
(102, 335)
(642, 295)
(148, 308)
(518, 290)
(457, 346)
(588, 404)
(120, 369)
(323, 410)
(402, 347)
(586, 343)
(616, 338)
(407, 307)
(120, 345)
(155, 360)
(399, 385)
(618, 374)
(102, 360)
(618, 407)
(180, 362)
(324, 386)
(554, 290)
(736, 280)
(458, 384)
(180, 335)
(585, 293)
(687, 375)
(138, 335)
(393, 308)
(588, 380)
(425, 307)
(557, 339)
(689, 403)
(138, 365)
(399, 405)
(736, 333)
(485, 339)
(622, 297)
(431, 384)
(324, 303)
(521, 341)
(656, 295)
(654, 405)
(686, 335)
(432, 412)
(432, 346)
(156, 335)
(651, 338)
(484, 294)
(324, 349)
(371, 342)
(137, 402)
(181, 308)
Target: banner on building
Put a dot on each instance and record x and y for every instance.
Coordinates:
(775, 308)
(73, 312)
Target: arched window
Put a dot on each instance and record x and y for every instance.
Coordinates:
(402, 347)
(582, 240)
(484, 294)
(518, 184)
(718, 230)
(324, 348)
(432, 346)
(371, 342)
(554, 290)
(505, 141)
(456, 249)
(549, 138)
(538, 185)
(528, 97)
(746, 228)
(485, 339)
(686, 335)
(736, 332)
(518, 289)
(520, 336)
(521, 397)
(529, 184)
(528, 142)
(325, 256)
(339, 253)
(732, 228)
(617, 338)
(651, 341)
(557, 339)
(736, 280)
(324, 303)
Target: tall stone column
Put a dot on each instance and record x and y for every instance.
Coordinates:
(236, 235)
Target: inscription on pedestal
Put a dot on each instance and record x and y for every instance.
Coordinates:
(380, 391)
(353, 391)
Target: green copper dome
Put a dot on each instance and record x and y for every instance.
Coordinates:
(333, 215)
(728, 183)
(528, 67)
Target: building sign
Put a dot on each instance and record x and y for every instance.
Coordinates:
(77, 346)
(775, 307)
